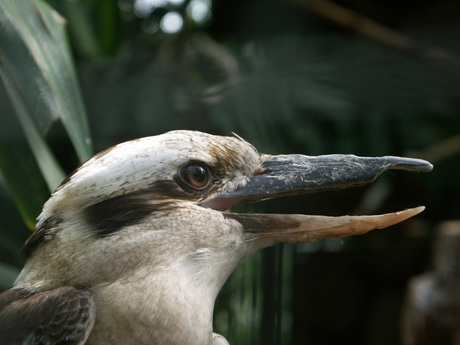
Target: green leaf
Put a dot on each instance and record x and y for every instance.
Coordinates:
(20, 171)
(39, 76)
(49, 167)
(95, 27)
(35, 57)
(22, 176)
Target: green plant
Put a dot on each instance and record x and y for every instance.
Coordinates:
(38, 74)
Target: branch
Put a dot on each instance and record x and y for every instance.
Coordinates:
(377, 32)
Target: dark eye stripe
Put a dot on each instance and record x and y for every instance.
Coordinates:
(109, 216)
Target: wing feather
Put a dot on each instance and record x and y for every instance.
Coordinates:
(62, 316)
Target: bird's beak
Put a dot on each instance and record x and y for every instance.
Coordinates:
(298, 174)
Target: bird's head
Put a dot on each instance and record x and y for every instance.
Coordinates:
(158, 203)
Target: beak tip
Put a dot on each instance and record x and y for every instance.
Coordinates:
(414, 211)
(409, 164)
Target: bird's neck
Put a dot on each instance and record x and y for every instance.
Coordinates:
(172, 306)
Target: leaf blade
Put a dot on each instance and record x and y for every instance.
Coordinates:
(34, 46)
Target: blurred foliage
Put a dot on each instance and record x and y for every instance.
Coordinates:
(278, 74)
(39, 77)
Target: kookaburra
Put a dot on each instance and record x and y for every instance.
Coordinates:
(134, 246)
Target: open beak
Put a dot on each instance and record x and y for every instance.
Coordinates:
(285, 175)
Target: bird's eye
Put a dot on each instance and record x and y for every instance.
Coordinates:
(196, 175)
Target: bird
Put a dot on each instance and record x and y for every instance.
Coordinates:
(134, 246)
